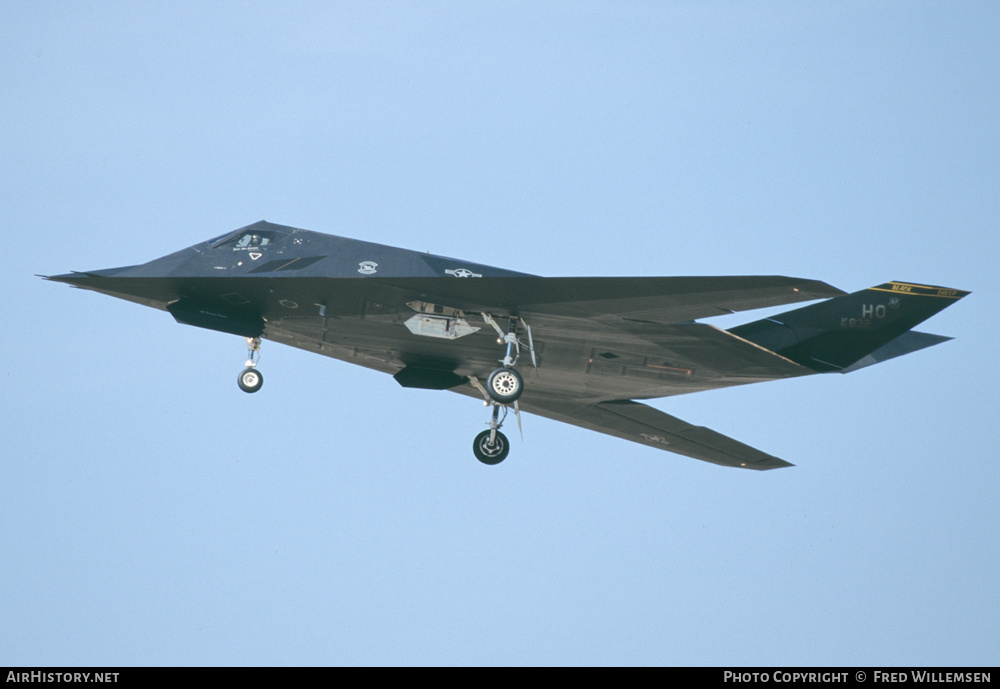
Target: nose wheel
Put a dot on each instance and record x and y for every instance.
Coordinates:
(250, 379)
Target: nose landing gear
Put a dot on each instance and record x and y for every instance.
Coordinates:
(250, 379)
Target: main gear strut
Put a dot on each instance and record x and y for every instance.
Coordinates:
(505, 384)
(503, 388)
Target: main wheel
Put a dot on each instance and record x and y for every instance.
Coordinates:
(490, 453)
(505, 385)
(250, 380)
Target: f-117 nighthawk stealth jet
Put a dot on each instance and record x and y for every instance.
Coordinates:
(591, 346)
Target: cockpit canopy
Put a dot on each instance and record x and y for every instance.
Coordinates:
(250, 239)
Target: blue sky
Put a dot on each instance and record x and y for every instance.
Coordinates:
(153, 514)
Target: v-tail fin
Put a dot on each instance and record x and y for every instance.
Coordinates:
(855, 330)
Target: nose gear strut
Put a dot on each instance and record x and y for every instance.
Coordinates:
(250, 379)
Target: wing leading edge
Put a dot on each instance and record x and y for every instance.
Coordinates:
(648, 299)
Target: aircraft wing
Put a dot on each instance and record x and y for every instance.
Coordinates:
(652, 299)
(643, 424)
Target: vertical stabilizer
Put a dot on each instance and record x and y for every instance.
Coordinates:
(855, 330)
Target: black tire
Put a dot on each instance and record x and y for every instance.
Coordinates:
(250, 380)
(505, 385)
(488, 453)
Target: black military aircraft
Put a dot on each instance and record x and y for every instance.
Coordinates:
(592, 345)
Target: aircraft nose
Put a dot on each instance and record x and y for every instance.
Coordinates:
(82, 278)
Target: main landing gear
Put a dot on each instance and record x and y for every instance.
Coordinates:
(505, 385)
(503, 388)
(250, 379)
(491, 450)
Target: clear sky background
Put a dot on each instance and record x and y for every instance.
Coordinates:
(152, 513)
